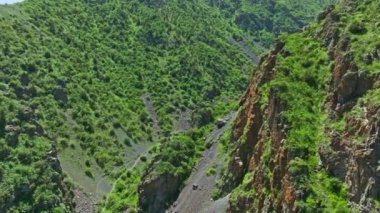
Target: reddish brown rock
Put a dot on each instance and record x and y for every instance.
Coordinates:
(353, 154)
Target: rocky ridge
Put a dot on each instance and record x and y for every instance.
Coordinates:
(262, 170)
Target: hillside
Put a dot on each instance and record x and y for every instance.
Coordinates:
(306, 137)
(97, 96)
(264, 20)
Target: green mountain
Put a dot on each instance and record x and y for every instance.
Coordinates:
(264, 20)
(306, 138)
(96, 97)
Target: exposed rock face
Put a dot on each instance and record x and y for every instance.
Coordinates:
(156, 191)
(347, 82)
(352, 154)
(251, 115)
(355, 164)
(253, 127)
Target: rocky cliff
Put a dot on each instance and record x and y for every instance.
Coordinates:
(154, 192)
(306, 137)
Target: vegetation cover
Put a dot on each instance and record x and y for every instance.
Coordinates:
(314, 150)
(78, 79)
(264, 20)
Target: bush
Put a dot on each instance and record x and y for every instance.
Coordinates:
(357, 28)
(2, 172)
(127, 142)
(88, 173)
(211, 171)
(64, 143)
(143, 158)
(24, 156)
(112, 133)
(2, 123)
(129, 174)
(4, 151)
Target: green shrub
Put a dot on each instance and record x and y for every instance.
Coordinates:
(88, 163)
(64, 143)
(24, 156)
(357, 28)
(143, 158)
(88, 173)
(127, 142)
(5, 151)
(211, 171)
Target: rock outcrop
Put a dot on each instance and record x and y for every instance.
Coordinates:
(155, 192)
(352, 153)
(254, 126)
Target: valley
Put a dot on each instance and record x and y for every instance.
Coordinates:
(189, 106)
(196, 194)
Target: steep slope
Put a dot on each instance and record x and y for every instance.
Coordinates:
(264, 20)
(168, 171)
(83, 66)
(91, 89)
(306, 138)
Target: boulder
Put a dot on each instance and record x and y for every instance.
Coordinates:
(195, 186)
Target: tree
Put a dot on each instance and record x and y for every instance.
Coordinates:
(2, 123)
